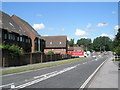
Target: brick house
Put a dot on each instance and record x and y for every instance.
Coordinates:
(35, 37)
(57, 44)
(77, 48)
(11, 33)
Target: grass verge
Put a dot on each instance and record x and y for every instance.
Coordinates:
(40, 66)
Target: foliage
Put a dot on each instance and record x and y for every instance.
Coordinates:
(117, 43)
(102, 43)
(14, 50)
(37, 52)
(50, 52)
(3, 46)
(71, 43)
(86, 43)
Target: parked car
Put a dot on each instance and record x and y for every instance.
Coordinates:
(94, 56)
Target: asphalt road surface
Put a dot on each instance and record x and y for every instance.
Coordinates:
(71, 75)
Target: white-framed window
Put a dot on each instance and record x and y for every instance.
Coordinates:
(18, 38)
(50, 42)
(21, 39)
(5, 36)
(60, 42)
(52, 49)
(11, 24)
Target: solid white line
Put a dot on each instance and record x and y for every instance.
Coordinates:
(91, 76)
(6, 85)
(49, 75)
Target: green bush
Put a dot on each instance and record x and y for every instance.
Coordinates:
(14, 50)
(50, 52)
(3, 46)
(37, 52)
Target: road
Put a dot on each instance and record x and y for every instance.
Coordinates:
(71, 75)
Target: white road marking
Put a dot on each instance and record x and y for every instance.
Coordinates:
(6, 85)
(91, 76)
(46, 76)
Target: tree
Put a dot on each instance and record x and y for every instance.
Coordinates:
(86, 43)
(102, 43)
(71, 43)
(117, 43)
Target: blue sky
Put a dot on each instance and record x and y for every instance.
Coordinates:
(74, 19)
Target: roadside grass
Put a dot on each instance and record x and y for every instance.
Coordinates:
(40, 66)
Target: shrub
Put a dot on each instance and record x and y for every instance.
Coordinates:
(14, 50)
(3, 46)
(37, 52)
(50, 52)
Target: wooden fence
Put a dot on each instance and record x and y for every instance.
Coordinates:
(30, 58)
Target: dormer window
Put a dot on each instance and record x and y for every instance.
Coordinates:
(50, 42)
(11, 24)
(60, 42)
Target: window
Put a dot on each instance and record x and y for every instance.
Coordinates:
(5, 36)
(52, 49)
(18, 38)
(60, 42)
(21, 39)
(11, 24)
(0, 21)
(9, 36)
(28, 40)
(13, 37)
(50, 42)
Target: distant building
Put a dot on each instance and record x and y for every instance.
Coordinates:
(11, 33)
(35, 37)
(77, 48)
(57, 44)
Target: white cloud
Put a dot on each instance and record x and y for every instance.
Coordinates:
(80, 32)
(50, 28)
(110, 36)
(68, 38)
(116, 27)
(38, 26)
(85, 37)
(89, 26)
(39, 15)
(113, 12)
(102, 24)
(45, 35)
(62, 29)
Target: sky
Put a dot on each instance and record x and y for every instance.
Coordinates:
(74, 19)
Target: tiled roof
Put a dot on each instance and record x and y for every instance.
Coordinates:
(7, 23)
(75, 48)
(24, 25)
(55, 41)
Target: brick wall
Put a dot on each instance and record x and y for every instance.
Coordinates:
(61, 51)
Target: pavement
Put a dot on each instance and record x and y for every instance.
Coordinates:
(106, 77)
